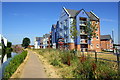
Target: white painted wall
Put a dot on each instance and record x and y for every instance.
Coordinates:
(36, 45)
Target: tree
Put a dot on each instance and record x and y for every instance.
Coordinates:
(73, 30)
(89, 30)
(9, 49)
(9, 44)
(25, 42)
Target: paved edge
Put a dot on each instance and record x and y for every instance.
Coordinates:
(17, 73)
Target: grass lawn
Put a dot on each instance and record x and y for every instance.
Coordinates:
(104, 55)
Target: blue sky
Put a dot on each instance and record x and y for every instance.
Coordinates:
(31, 19)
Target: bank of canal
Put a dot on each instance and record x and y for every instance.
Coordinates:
(3, 65)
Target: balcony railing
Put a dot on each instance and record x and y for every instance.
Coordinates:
(83, 41)
(84, 49)
(60, 29)
(83, 23)
(82, 32)
(65, 27)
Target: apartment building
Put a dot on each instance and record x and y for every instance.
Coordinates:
(53, 37)
(46, 41)
(106, 43)
(81, 42)
(38, 42)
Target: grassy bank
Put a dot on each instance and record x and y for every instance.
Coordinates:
(69, 65)
(14, 64)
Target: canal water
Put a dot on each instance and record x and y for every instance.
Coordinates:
(3, 65)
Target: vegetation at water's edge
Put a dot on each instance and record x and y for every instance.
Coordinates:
(71, 66)
(6, 50)
(14, 64)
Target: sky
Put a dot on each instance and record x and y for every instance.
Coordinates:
(33, 19)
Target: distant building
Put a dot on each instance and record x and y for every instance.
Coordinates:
(46, 40)
(106, 42)
(3, 41)
(53, 36)
(38, 43)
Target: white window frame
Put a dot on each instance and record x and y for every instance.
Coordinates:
(91, 45)
(97, 45)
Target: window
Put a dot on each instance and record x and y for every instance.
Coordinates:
(97, 37)
(97, 29)
(65, 32)
(97, 46)
(91, 45)
(96, 22)
(60, 24)
(65, 22)
(92, 38)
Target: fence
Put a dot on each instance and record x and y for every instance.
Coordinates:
(107, 56)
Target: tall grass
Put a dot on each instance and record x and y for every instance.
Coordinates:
(79, 67)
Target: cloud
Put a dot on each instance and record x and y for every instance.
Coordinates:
(107, 20)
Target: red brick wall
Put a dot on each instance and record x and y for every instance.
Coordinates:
(94, 40)
(106, 44)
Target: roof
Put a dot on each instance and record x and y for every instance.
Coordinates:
(46, 35)
(38, 38)
(105, 37)
(54, 25)
(92, 16)
(73, 13)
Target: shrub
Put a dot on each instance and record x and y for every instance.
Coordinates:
(88, 69)
(55, 62)
(84, 70)
(105, 71)
(14, 64)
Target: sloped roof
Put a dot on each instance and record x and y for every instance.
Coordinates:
(92, 17)
(105, 37)
(46, 35)
(54, 25)
(73, 13)
(39, 38)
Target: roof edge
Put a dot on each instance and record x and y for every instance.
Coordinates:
(66, 11)
(94, 14)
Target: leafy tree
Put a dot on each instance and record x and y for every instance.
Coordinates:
(9, 49)
(26, 42)
(9, 44)
(89, 30)
(73, 31)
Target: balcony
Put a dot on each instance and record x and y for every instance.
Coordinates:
(83, 23)
(60, 29)
(82, 32)
(65, 27)
(83, 41)
(84, 49)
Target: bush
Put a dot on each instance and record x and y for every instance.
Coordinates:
(55, 62)
(87, 69)
(14, 64)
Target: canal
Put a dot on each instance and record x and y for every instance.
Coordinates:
(3, 65)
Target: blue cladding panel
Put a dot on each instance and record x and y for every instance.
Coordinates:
(81, 14)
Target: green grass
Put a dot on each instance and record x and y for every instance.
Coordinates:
(14, 64)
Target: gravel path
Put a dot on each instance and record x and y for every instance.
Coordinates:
(33, 68)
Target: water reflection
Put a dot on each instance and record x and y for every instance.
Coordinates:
(3, 65)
